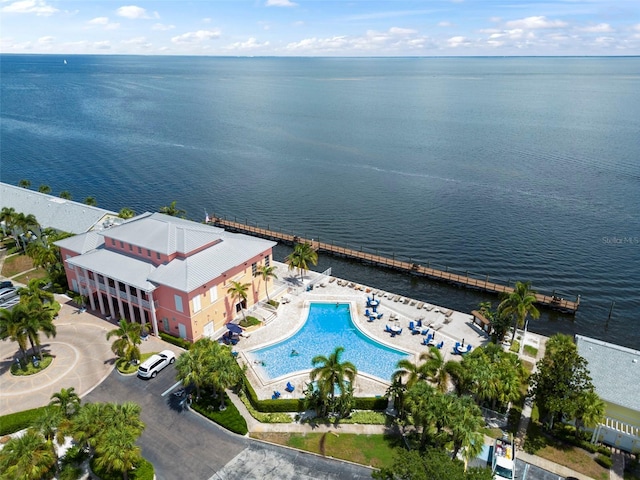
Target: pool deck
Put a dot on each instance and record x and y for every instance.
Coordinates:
(290, 317)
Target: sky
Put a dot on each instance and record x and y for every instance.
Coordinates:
(321, 28)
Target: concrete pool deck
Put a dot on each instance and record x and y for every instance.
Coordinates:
(291, 316)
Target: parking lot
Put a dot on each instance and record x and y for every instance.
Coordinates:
(182, 444)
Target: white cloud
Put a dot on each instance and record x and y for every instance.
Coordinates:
(103, 45)
(162, 27)
(531, 23)
(46, 40)
(280, 3)
(250, 44)
(401, 31)
(206, 20)
(99, 21)
(445, 24)
(134, 12)
(140, 42)
(599, 28)
(196, 37)
(458, 41)
(39, 7)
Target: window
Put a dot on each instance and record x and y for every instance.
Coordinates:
(197, 306)
(121, 244)
(178, 300)
(140, 250)
(254, 269)
(158, 255)
(213, 294)
(266, 261)
(113, 242)
(90, 273)
(71, 267)
(130, 248)
(165, 324)
(148, 252)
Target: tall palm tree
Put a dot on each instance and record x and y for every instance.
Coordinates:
(465, 429)
(420, 402)
(44, 189)
(172, 210)
(192, 366)
(126, 213)
(24, 183)
(67, 401)
(126, 346)
(589, 410)
(28, 457)
(411, 371)
(91, 201)
(519, 304)
(118, 451)
(330, 373)
(226, 371)
(439, 371)
(23, 223)
(266, 272)
(38, 317)
(11, 328)
(303, 254)
(7, 216)
(239, 292)
(35, 291)
(66, 194)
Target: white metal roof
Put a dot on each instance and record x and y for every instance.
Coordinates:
(615, 371)
(54, 212)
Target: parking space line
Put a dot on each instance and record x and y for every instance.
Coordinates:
(170, 388)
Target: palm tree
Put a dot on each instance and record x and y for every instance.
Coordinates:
(91, 201)
(28, 457)
(302, 255)
(7, 216)
(465, 429)
(226, 371)
(118, 452)
(192, 366)
(126, 346)
(519, 304)
(38, 317)
(24, 183)
(66, 194)
(126, 213)
(91, 420)
(239, 292)
(330, 373)
(439, 371)
(266, 272)
(11, 328)
(172, 210)
(420, 402)
(23, 223)
(411, 371)
(589, 410)
(67, 401)
(35, 291)
(44, 189)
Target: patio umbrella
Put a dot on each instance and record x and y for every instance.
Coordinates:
(234, 328)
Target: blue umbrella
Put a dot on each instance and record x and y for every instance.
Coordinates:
(234, 328)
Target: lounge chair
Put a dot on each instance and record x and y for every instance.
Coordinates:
(367, 313)
(425, 331)
(419, 305)
(371, 318)
(289, 388)
(387, 329)
(419, 323)
(412, 325)
(380, 315)
(276, 395)
(440, 345)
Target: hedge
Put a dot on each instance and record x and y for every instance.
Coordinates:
(370, 403)
(20, 420)
(231, 419)
(604, 461)
(143, 471)
(177, 341)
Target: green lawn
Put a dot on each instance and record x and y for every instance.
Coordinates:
(15, 264)
(38, 273)
(29, 369)
(372, 450)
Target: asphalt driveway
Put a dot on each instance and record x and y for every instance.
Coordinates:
(183, 445)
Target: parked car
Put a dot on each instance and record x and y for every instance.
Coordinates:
(6, 284)
(7, 293)
(152, 365)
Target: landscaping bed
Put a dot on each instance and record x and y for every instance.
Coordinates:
(30, 368)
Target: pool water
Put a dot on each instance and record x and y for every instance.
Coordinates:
(328, 326)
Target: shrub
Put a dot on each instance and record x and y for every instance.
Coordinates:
(143, 471)
(20, 420)
(366, 417)
(229, 418)
(177, 341)
(249, 322)
(273, 303)
(370, 403)
(604, 461)
(19, 370)
(264, 417)
(70, 472)
(531, 351)
(515, 346)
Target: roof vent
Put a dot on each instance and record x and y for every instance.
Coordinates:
(635, 360)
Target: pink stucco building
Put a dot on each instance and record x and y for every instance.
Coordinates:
(169, 272)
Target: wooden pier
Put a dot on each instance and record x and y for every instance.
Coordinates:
(552, 301)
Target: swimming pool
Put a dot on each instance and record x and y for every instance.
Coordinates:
(328, 326)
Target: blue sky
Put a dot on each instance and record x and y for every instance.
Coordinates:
(322, 28)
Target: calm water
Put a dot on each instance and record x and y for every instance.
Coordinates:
(328, 326)
(519, 168)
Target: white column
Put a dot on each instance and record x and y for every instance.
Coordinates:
(89, 292)
(140, 309)
(152, 308)
(120, 307)
(112, 310)
(128, 290)
(99, 292)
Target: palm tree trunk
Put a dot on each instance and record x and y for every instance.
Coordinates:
(515, 329)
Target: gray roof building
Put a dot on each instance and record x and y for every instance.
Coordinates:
(615, 371)
(55, 212)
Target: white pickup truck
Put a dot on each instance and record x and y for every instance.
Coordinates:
(503, 463)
